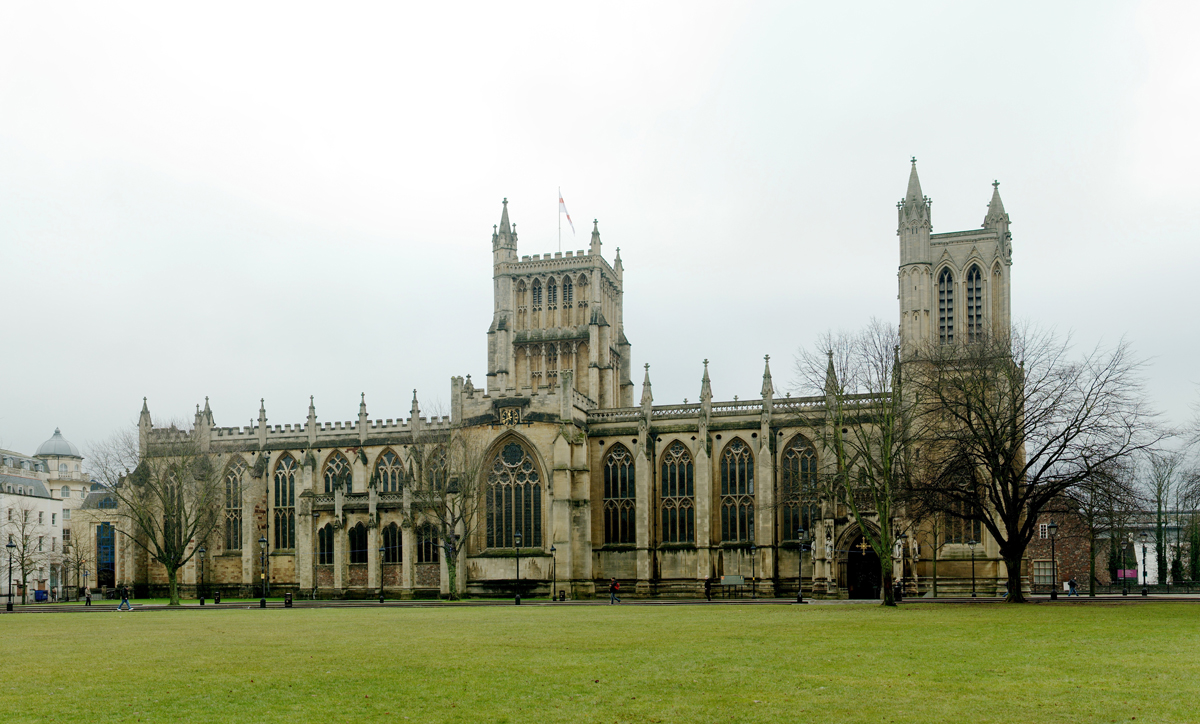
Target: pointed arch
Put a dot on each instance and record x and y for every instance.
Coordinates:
(974, 292)
(389, 471)
(325, 545)
(620, 496)
(393, 547)
(798, 492)
(568, 300)
(737, 492)
(285, 502)
(513, 494)
(357, 537)
(428, 549)
(234, 473)
(945, 282)
(677, 494)
(336, 472)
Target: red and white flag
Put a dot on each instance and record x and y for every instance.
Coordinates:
(562, 209)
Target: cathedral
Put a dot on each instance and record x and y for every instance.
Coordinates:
(585, 478)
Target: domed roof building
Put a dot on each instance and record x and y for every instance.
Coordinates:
(58, 446)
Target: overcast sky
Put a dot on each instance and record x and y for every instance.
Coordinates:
(247, 200)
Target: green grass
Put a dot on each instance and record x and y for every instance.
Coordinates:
(763, 663)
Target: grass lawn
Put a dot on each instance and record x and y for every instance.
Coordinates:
(758, 663)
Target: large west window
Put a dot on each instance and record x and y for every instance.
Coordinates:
(285, 502)
(737, 493)
(513, 499)
(677, 496)
(619, 496)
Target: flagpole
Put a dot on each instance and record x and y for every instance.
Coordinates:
(559, 210)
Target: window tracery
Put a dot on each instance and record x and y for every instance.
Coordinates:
(677, 495)
(233, 505)
(798, 492)
(358, 543)
(513, 499)
(974, 304)
(737, 493)
(946, 306)
(392, 544)
(389, 472)
(337, 473)
(535, 304)
(568, 300)
(427, 544)
(620, 496)
(325, 545)
(285, 502)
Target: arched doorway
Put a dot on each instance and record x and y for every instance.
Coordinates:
(862, 570)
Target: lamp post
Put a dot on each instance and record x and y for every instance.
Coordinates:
(85, 583)
(382, 550)
(1052, 529)
(11, 547)
(517, 588)
(903, 537)
(753, 589)
(800, 536)
(553, 574)
(200, 584)
(1145, 567)
(1124, 567)
(262, 545)
(972, 543)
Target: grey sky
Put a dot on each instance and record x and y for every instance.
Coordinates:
(275, 202)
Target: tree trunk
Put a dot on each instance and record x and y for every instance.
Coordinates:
(173, 583)
(1015, 594)
(452, 574)
(1092, 564)
(889, 597)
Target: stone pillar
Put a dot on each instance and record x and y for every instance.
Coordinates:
(408, 558)
(704, 509)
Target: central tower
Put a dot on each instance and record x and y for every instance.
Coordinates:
(553, 315)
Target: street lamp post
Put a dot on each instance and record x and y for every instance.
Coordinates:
(11, 547)
(801, 535)
(200, 584)
(517, 588)
(753, 578)
(262, 545)
(1052, 529)
(1125, 567)
(553, 574)
(85, 585)
(382, 550)
(900, 583)
(1145, 567)
(972, 543)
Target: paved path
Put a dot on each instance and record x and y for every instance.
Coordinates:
(192, 605)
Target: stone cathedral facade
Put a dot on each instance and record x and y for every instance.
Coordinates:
(596, 479)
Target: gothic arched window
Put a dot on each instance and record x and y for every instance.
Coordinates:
(427, 544)
(798, 489)
(358, 543)
(737, 493)
(568, 299)
(233, 505)
(392, 544)
(946, 306)
(325, 545)
(389, 472)
(514, 499)
(974, 304)
(677, 495)
(522, 304)
(551, 293)
(535, 304)
(285, 502)
(620, 498)
(337, 472)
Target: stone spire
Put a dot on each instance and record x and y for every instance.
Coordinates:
(208, 415)
(505, 226)
(768, 389)
(705, 386)
(914, 185)
(914, 222)
(262, 411)
(504, 238)
(145, 416)
(996, 217)
(362, 404)
(414, 421)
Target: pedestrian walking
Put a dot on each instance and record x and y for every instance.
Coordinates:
(708, 588)
(1071, 588)
(613, 589)
(124, 599)
(87, 601)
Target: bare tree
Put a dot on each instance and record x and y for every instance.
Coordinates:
(1104, 501)
(30, 538)
(1161, 474)
(1015, 422)
(447, 479)
(869, 431)
(169, 495)
(78, 555)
